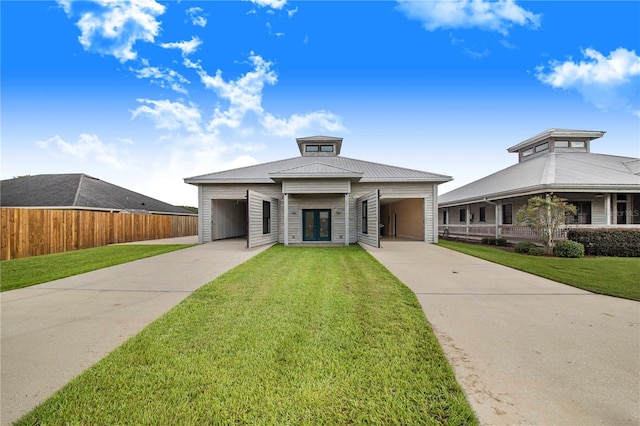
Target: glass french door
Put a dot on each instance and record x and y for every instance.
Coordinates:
(316, 225)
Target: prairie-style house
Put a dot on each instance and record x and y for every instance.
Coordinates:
(605, 189)
(318, 197)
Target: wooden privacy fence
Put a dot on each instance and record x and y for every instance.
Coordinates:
(33, 232)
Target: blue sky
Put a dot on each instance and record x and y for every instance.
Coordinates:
(145, 93)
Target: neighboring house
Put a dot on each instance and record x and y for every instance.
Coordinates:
(79, 192)
(318, 197)
(605, 189)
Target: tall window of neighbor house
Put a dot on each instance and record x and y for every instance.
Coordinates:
(266, 217)
(463, 215)
(365, 217)
(583, 213)
(444, 217)
(507, 214)
(483, 214)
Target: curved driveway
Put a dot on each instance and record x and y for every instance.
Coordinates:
(52, 332)
(525, 349)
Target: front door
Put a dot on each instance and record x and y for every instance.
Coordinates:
(316, 225)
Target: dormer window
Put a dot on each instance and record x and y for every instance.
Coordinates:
(319, 146)
(555, 141)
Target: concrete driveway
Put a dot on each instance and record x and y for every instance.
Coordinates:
(53, 331)
(526, 350)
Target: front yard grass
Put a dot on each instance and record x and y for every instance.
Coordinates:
(294, 336)
(611, 276)
(19, 273)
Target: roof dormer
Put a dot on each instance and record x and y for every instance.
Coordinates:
(319, 146)
(555, 140)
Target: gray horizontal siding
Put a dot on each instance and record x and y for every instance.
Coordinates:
(316, 186)
(256, 236)
(299, 203)
(371, 237)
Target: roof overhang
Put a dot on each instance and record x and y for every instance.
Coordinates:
(523, 192)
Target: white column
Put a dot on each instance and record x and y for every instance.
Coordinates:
(497, 212)
(466, 209)
(346, 219)
(286, 219)
(607, 208)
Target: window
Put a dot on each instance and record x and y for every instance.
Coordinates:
(578, 144)
(527, 152)
(326, 148)
(507, 214)
(562, 144)
(583, 213)
(463, 215)
(444, 217)
(311, 148)
(483, 214)
(266, 217)
(542, 147)
(365, 217)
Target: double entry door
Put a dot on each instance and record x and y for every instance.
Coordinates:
(316, 225)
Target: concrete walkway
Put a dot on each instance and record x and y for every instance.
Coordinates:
(526, 350)
(53, 331)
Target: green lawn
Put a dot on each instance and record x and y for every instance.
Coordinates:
(612, 276)
(18, 273)
(294, 336)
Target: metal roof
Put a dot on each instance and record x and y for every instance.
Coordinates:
(567, 171)
(316, 170)
(78, 191)
(371, 172)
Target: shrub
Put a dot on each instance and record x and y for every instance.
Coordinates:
(523, 247)
(568, 248)
(494, 241)
(608, 242)
(527, 247)
(537, 251)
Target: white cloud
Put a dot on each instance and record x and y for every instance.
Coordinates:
(270, 29)
(274, 4)
(291, 12)
(117, 25)
(164, 77)
(169, 115)
(244, 94)
(89, 147)
(609, 82)
(496, 16)
(187, 47)
(195, 14)
(296, 123)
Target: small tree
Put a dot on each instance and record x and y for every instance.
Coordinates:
(545, 215)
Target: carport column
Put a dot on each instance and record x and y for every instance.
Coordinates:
(607, 208)
(346, 219)
(286, 219)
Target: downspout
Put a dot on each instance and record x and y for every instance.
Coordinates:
(496, 216)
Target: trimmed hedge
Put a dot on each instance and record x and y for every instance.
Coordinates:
(494, 241)
(567, 248)
(615, 242)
